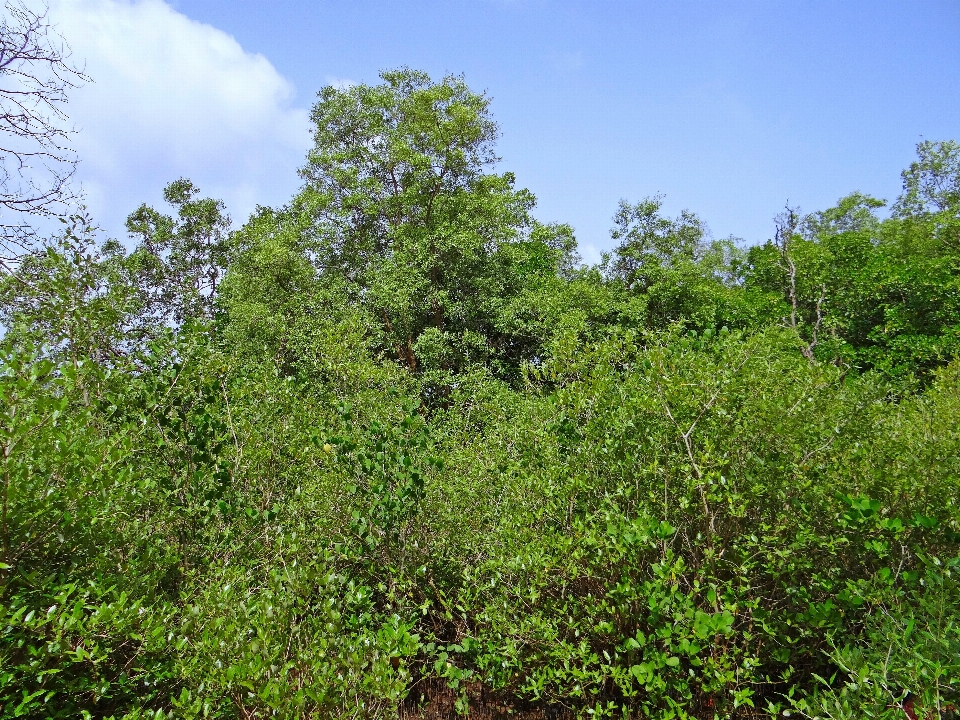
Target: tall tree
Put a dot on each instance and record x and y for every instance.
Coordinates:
(408, 211)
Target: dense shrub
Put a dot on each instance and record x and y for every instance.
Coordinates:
(377, 440)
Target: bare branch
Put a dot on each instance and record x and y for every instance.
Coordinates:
(36, 160)
(787, 223)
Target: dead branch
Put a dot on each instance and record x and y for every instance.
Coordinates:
(36, 160)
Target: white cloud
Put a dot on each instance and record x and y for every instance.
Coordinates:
(174, 97)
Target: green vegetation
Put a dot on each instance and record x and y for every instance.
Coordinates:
(395, 431)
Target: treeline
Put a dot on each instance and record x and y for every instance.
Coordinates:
(395, 436)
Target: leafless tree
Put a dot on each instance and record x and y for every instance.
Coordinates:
(36, 160)
(788, 223)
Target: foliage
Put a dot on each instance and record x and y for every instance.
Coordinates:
(395, 433)
(180, 262)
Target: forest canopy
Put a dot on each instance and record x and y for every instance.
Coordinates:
(394, 444)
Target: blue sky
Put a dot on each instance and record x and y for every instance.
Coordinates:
(729, 109)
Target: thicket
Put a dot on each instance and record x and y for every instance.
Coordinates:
(395, 431)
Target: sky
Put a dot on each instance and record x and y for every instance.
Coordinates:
(729, 109)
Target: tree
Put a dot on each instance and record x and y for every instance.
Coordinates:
(854, 213)
(650, 242)
(863, 292)
(407, 212)
(36, 162)
(73, 299)
(670, 270)
(932, 182)
(181, 261)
